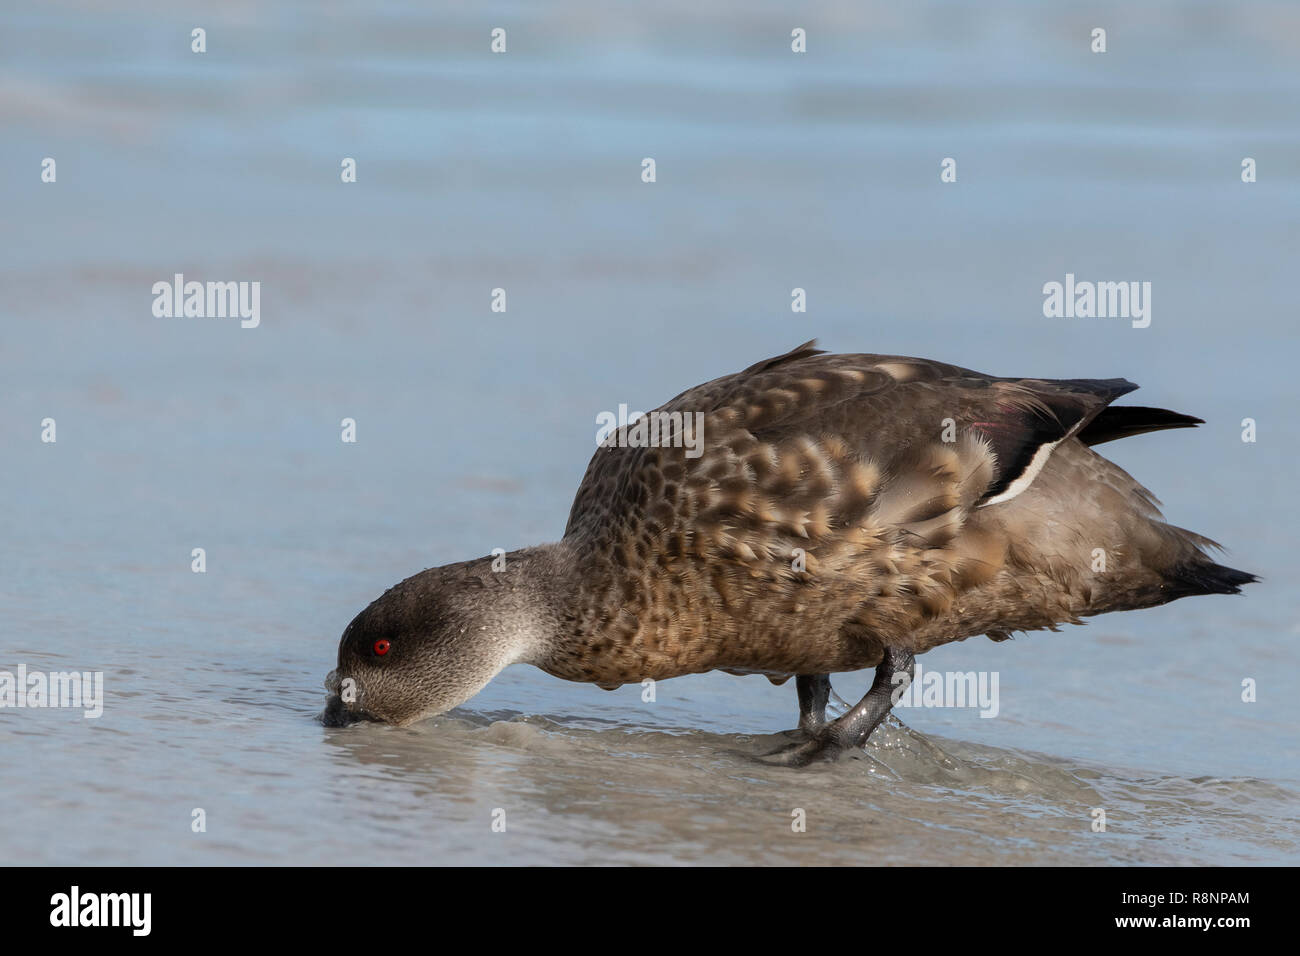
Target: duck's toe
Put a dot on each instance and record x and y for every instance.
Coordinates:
(811, 748)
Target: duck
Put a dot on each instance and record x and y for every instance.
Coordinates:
(813, 514)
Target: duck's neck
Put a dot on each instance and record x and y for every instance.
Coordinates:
(576, 622)
(538, 606)
(590, 622)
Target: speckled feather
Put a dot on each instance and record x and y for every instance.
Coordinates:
(689, 564)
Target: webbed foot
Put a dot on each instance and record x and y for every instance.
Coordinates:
(828, 741)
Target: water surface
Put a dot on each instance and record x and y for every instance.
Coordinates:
(522, 172)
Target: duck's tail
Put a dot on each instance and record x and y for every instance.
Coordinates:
(1190, 573)
(1203, 576)
(1121, 421)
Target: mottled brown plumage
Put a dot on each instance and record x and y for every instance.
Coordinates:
(843, 507)
(689, 564)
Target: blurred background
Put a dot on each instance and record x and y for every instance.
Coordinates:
(522, 171)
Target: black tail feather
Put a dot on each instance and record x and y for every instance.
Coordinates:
(1121, 421)
(1206, 577)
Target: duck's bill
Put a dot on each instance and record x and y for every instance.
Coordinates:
(339, 714)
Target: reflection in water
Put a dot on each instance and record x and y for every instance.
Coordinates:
(622, 795)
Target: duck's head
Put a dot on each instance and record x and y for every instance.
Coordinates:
(432, 642)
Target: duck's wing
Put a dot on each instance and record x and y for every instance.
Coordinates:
(805, 444)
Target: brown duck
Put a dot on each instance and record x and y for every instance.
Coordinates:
(827, 513)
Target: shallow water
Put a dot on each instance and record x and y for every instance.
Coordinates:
(522, 171)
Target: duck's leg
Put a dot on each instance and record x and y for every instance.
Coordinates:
(853, 728)
(814, 694)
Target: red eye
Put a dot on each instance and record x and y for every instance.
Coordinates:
(381, 647)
